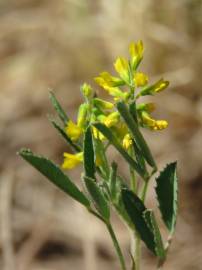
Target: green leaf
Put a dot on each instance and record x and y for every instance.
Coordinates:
(135, 209)
(74, 146)
(101, 156)
(167, 195)
(139, 157)
(61, 113)
(112, 181)
(98, 198)
(152, 224)
(132, 125)
(89, 159)
(55, 175)
(114, 141)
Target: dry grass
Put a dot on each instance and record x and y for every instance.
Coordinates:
(58, 45)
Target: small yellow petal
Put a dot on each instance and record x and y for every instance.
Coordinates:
(127, 141)
(161, 85)
(112, 119)
(136, 51)
(72, 160)
(73, 131)
(140, 79)
(121, 66)
(86, 89)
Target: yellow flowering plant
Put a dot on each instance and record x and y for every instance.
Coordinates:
(117, 122)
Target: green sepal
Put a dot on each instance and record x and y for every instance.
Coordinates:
(132, 125)
(62, 132)
(135, 209)
(55, 175)
(114, 141)
(167, 195)
(97, 197)
(61, 113)
(88, 154)
(152, 224)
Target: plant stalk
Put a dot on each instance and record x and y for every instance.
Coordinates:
(116, 245)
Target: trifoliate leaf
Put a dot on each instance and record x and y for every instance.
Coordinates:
(132, 125)
(89, 159)
(167, 193)
(114, 141)
(97, 197)
(61, 113)
(135, 209)
(55, 175)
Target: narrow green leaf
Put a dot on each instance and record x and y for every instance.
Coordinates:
(132, 125)
(112, 181)
(139, 157)
(61, 113)
(114, 141)
(152, 224)
(101, 158)
(74, 146)
(135, 209)
(89, 159)
(167, 195)
(98, 198)
(55, 175)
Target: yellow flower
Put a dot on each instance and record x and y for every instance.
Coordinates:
(127, 141)
(86, 89)
(97, 134)
(82, 115)
(140, 79)
(160, 85)
(155, 88)
(152, 123)
(122, 68)
(161, 124)
(73, 130)
(136, 53)
(112, 119)
(72, 160)
(102, 104)
(148, 107)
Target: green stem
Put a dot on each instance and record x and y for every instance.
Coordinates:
(116, 245)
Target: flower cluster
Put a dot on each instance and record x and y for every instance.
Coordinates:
(129, 86)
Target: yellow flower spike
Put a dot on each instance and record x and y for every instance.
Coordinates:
(140, 79)
(73, 131)
(72, 160)
(122, 68)
(112, 119)
(127, 141)
(87, 90)
(136, 51)
(82, 115)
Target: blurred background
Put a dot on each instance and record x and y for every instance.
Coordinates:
(48, 44)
